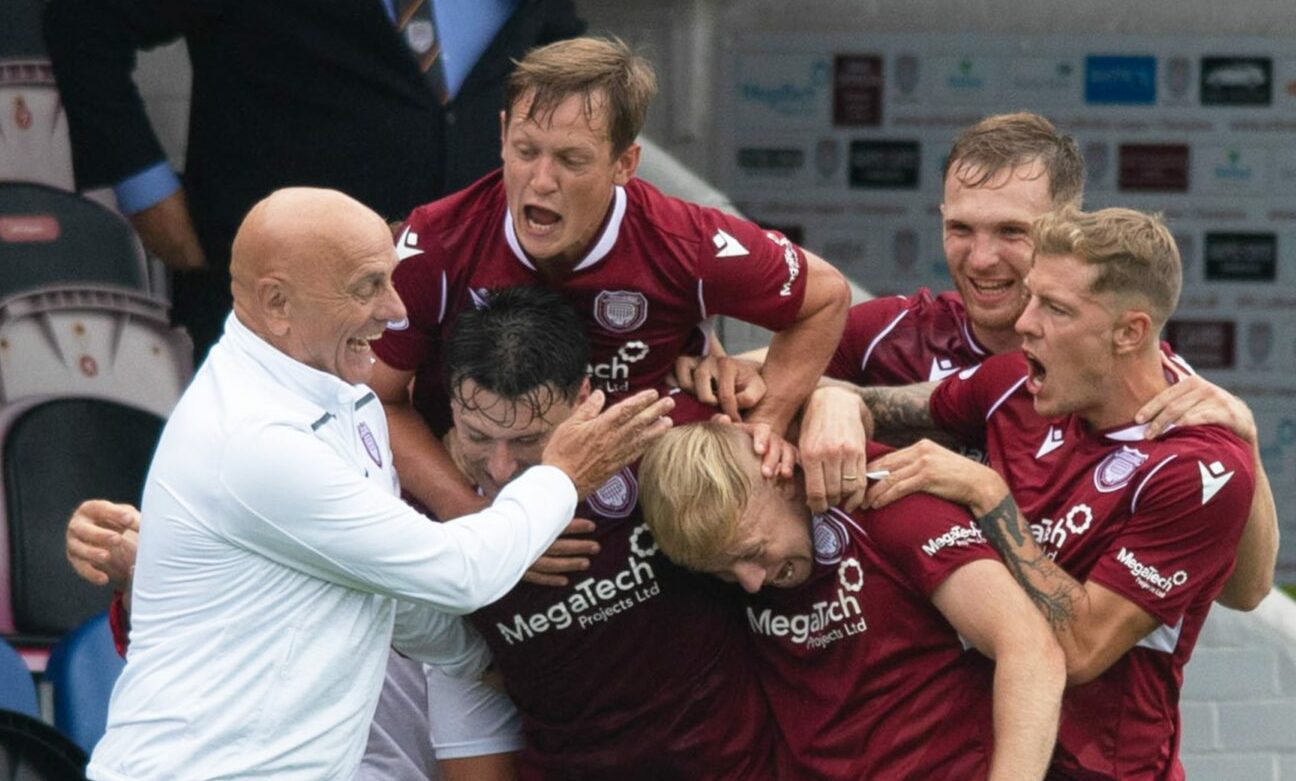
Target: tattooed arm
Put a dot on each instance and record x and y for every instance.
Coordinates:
(1094, 625)
(899, 415)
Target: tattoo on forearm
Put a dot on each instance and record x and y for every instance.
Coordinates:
(900, 408)
(1048, 586)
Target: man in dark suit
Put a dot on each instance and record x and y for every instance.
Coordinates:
(291, 92)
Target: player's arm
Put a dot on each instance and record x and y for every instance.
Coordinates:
(1257, 553)
(983, 603)
(426, 470)
(1195, 401)
(900, 413)
(798, 354)
(102, 538)
(1094, 625)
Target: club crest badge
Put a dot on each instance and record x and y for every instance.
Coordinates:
(620, 310)
(617, 497)
(370, 444)
(829, 539)
(1115, 471)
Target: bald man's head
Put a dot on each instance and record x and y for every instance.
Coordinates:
(311, 274)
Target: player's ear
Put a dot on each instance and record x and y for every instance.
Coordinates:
(626, 164)
(1132, 332)
(789, 488)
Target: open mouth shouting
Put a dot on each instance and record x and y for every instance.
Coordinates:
(539, 220)
(1036, 373)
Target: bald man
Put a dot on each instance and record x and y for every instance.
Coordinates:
(276, 563)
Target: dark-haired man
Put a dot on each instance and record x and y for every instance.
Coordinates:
(636, 669)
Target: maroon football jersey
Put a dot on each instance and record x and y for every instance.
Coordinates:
(866, 678)
(1154, 521)
(898, 340)
(637, 669)
(659, 267)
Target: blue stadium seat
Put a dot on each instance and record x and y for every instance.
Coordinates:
(83, 667)
(17, 690)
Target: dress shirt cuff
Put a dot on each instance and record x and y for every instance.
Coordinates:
(145, 188)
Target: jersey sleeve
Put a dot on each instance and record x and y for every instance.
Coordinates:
(755, 275)
(926, 539)
(421, 280)
(960, 404)
(866, 323)
(1186, 519)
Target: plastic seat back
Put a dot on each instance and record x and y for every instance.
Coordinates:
(83, 667)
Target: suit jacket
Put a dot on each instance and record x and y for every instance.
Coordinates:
(285, 92)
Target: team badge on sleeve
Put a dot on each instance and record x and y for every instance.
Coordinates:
(617, 497)
(621, 310)
(1116, 470)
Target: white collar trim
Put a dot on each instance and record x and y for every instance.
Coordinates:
(601, 247)
(322, 389)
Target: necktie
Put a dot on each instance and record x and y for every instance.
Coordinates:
(417, 24)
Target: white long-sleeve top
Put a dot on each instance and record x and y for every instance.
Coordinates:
(277, 564)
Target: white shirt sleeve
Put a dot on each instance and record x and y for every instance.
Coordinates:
(300, 504)
(468, 718)
(447, 642)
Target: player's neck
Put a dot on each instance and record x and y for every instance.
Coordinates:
(1132, 383)
(560, 267)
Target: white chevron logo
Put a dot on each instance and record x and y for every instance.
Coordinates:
(1213, 479)
(940, 369)
(407, 245)
(727, 246)
(1052, 441)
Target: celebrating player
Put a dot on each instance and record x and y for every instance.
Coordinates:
(1001, 174)
(643, 269)
(861, 640)
(1120, 540)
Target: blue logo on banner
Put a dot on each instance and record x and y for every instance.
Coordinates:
(1125, 81)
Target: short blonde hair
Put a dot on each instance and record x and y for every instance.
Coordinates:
(1133, 252)
(693, 488)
